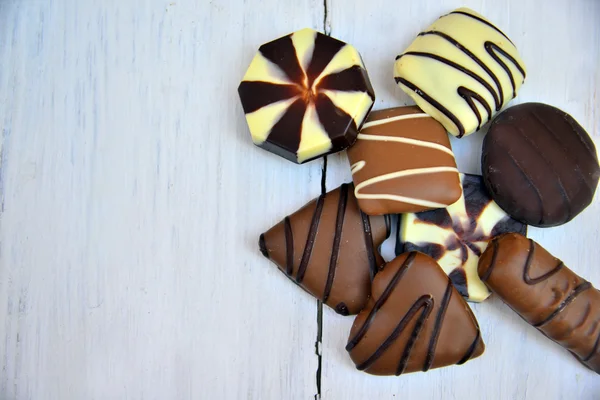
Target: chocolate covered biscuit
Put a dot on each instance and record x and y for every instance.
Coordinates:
(539, 164)
(457, 235)
(305, 95)
(402, 162)
(547, 294)
(414, 321)
(461, 70)
(330, 248)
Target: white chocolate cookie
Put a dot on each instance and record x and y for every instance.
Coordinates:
(462, 70)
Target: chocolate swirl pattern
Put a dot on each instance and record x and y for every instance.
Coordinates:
(462, 70)
(403, 162)
(457, 235)
(329, 247)
(305, 95)
(547, 294)
(414, 321)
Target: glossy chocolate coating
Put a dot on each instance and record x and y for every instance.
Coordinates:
(547, 294)
(402, 162)
(414, 321)
(461, 70)
(330, 248)
(305, 95)
(457, 235)
(539, 164)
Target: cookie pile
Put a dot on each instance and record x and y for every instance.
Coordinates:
(460, 237)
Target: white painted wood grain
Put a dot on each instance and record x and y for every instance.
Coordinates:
(132, 199)
(132, 204)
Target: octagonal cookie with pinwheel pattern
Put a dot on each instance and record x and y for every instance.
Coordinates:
(305, 95)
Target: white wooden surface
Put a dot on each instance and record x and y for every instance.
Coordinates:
(132, 199)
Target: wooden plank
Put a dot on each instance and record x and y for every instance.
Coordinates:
(132, 204)
(560, 43)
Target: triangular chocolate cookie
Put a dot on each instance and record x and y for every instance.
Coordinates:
(415, 320)
(329, 247)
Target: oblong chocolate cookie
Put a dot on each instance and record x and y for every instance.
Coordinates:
(402, 162)
(329, 248)
(539, 164)
(414, 321)
(547, 294)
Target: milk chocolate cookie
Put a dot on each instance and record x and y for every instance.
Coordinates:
(547, 294)
(456, 236)
(330, 248)
(414, 321)
(305, 95)
(461, 70)
(539, 164)
(402, 162)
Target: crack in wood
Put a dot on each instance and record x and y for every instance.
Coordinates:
(318, 342)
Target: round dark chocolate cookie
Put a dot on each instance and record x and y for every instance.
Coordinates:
(539, 164)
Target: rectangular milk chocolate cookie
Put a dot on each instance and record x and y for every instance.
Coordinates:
(402, 162)
(456, 236)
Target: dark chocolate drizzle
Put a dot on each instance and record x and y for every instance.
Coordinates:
(310, 239)
(593, 352)
(424, 302)
(263, 246)
(435, 103)
(499, 97)
(471, 349)
(437, 327)
(368, 235)
(289, 246)
(461, 69)
(468, 94)
(339, 226)
(572, 296)
(534, 281)
(490, 47)
(381, 300)
(482, 21)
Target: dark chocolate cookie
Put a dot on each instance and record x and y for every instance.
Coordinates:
(539, 164)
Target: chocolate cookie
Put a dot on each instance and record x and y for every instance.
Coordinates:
(461, 70)
(403, 162)
(539, 164)
(457, 235)
(547, 294)
(414, 321)
(305, 95)
(330, 248)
